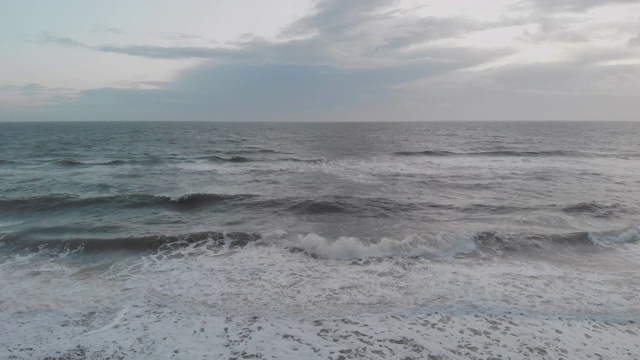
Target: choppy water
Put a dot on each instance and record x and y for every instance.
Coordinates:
(314, 221)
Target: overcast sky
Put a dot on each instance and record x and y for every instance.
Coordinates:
(331, 60)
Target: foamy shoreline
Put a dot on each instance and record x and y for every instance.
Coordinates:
(143, 332)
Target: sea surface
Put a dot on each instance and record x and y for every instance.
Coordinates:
(325, 240)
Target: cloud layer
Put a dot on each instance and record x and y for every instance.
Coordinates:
(379, 60)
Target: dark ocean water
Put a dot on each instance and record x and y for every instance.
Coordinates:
(436, 216)
(517, 182)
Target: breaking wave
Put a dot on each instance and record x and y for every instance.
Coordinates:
(430, 246)
(436, 245)
(615, 237)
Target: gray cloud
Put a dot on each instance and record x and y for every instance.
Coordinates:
(551, 91)
(249, 92)
(50, 38)
(344, 56)
(360, 58)
(555, 28)
(179, 36)
(574, 5)
(354, 33)
(33, 90)
(181, 52)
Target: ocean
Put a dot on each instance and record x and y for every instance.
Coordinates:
(439, 240)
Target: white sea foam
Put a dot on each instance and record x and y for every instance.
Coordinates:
(267, 300)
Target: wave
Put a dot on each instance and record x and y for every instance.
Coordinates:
(361, 207)
(244, 159)
(254, 151)
(135, 244)
(506, 153)
(6, 162)
(426, 153)
(615, 237)
(71, 162)
(436, 245)
(63, 201)
(197, 199)
(310, 161)
(598, 210)
(234, 159)
(448, 245)
(431, 246)
(522, 242)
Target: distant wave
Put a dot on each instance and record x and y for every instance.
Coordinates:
(497, 153)
(599, 210)
(70, 162)
(369, 207)
(197, 199)
(376, 207)
(234, 159)
(426, 153)
(311, 161)
(244, 159)
(63, 201)
(254, 151)
(5, 162)
(67, 162)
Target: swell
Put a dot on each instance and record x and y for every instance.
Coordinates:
(72, 163)
(244, 159)
(310, 161)
(595, 209)
(233, 159)
(143, 244)
(214, 158)
(254, 151)
(320, 206)
(60, 202)
(497, 153)
(504, 242)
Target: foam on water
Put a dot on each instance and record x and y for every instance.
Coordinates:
(268, 300)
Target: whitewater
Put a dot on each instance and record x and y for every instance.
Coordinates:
(330, 241)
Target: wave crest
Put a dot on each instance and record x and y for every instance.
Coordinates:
(615, 237)
(433, 246)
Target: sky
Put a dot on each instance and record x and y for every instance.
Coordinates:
(319, 60)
